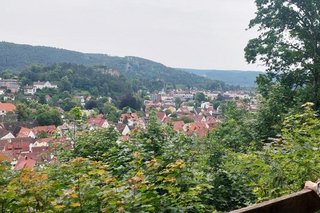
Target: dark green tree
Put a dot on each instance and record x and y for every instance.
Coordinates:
(48, 116)
(91, 104)
(23, 112)
(65, 84)
(130, 101)
(42, 134)
(6, 74)
(95, 144)
(111, 112)
(289, 44)
(178, 102)
(75, 114)
(237, 131)
(199, 97)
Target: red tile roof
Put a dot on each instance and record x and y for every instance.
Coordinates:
(129, 116)
(17, 145)
(161, 116)
(198, 118)
(42, 140)
(25, 163)
(47, 129)
(200, 129)
(8, 107)
(97, 121)
(59, 142)
(24, 132)
(178, 126)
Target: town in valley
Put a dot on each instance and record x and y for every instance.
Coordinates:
(26, 143)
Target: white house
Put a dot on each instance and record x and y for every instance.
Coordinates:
(29, 90)
(41, 85)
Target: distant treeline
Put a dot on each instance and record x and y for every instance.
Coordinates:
(231, 77)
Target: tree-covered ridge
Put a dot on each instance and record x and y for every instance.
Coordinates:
(231, 77)
(18, 56)
(141, 71)
(150, 72)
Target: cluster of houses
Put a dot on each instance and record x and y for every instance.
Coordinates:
(187, 119)
(32, 89)
(27, 144)
(13, 86)
(9, 87)
(164, 100)
(192, 120)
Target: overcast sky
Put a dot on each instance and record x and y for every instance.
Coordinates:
(204, 34)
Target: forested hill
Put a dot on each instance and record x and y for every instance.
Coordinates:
(232, 77)
(17, 57)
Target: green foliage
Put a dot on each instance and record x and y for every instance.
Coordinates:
(288, 47)
(177, 102)
(159, 170)
(48, 116)
(43, 114)
(111, 112)
(95, 144)
(7, 74)
(295, 155)
(184, 119)
(237, 130)
(115, 176)
(288, 43)
(91, 104)
(70, 77)
(275, 104)
(283, 166)
(67, 104)
(199, 98)
(23, 112)
(75, 114)
(6, 196)
(230, 191)
(130, 101)
(42, 134)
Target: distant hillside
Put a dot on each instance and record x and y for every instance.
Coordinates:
(144, 72)
(72, 77)
(232, 77)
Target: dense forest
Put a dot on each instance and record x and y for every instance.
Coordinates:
(144, 72)
(78, 78)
